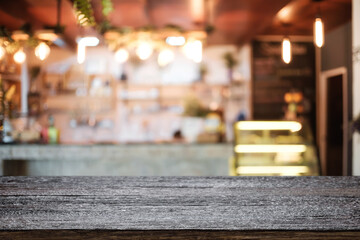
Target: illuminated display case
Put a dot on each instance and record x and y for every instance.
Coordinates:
(274, 148)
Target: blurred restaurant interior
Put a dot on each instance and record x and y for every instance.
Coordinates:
(180, 87)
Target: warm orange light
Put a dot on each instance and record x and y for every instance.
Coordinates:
(42, 51)
(286, 50)
(2, 52)
(121, 55)
(20, 56)
(319, 32)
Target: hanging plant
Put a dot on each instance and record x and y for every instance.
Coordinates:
(84, 13)
(107, 7)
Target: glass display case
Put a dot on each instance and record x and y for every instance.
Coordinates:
(274, 148)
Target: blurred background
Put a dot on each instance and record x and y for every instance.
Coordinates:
(160, 87)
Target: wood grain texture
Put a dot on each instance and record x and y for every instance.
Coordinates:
(178, 235)
(180, 204)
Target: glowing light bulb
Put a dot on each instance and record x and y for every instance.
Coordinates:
(42, 51)
(286, 50)
(121, 55)
(165, 57)
(193, 50)
(20, 56)
(2, 52)
(144, 50)
(319, 32)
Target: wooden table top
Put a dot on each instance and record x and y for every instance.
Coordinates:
(174, 206)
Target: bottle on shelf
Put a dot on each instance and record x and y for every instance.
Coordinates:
(52, 132)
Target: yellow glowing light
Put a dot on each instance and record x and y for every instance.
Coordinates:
(286, 50)
(266, 170)
(121, 55)
(193, 50)
(319, 32)
(269, 125)
(269, 148)
(2, 52)
(165, 57)
(144, 50)
(42, 51)
(46, 35)
(20, 56)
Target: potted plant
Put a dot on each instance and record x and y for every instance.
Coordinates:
(230, 62)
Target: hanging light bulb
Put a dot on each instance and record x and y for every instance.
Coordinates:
(20, 56)
(165, 57)
(193, 50)
(319, 32)
(286, 50)
(144, 50)
(42, 51)
(121, 55)
(2, 52)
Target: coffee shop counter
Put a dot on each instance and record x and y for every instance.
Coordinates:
(116, 160)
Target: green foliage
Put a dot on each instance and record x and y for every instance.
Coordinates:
(230, 60)
(209, 29)
(32, 42)
(4, 32)
(203, 69)
(12, 46)
(147, 28)
(194, 108)
(26, 28)
(34, 72)
(107, 7)
(104, 26)
(174, 27)
(84, 13)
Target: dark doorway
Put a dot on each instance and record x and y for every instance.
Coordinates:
(334, 129)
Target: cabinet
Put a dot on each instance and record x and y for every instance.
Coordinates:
(274, 148)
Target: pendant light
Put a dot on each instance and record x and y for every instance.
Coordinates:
(144, 50)
(2, 52)
(286, 50)
(121, 55)
(20, 56)
(42, 51)
(318, 28)
(165, 57)
(318, 32)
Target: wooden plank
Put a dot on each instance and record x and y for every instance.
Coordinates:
(195, 204)
(184, 235)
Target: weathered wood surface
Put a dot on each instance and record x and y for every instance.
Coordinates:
(183, 204)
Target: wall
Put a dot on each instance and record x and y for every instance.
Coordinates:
(336, 53)
(138, 126)
(356, 83)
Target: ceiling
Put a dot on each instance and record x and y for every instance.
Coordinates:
(235, 21)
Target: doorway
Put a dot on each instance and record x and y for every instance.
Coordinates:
(333, 132)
